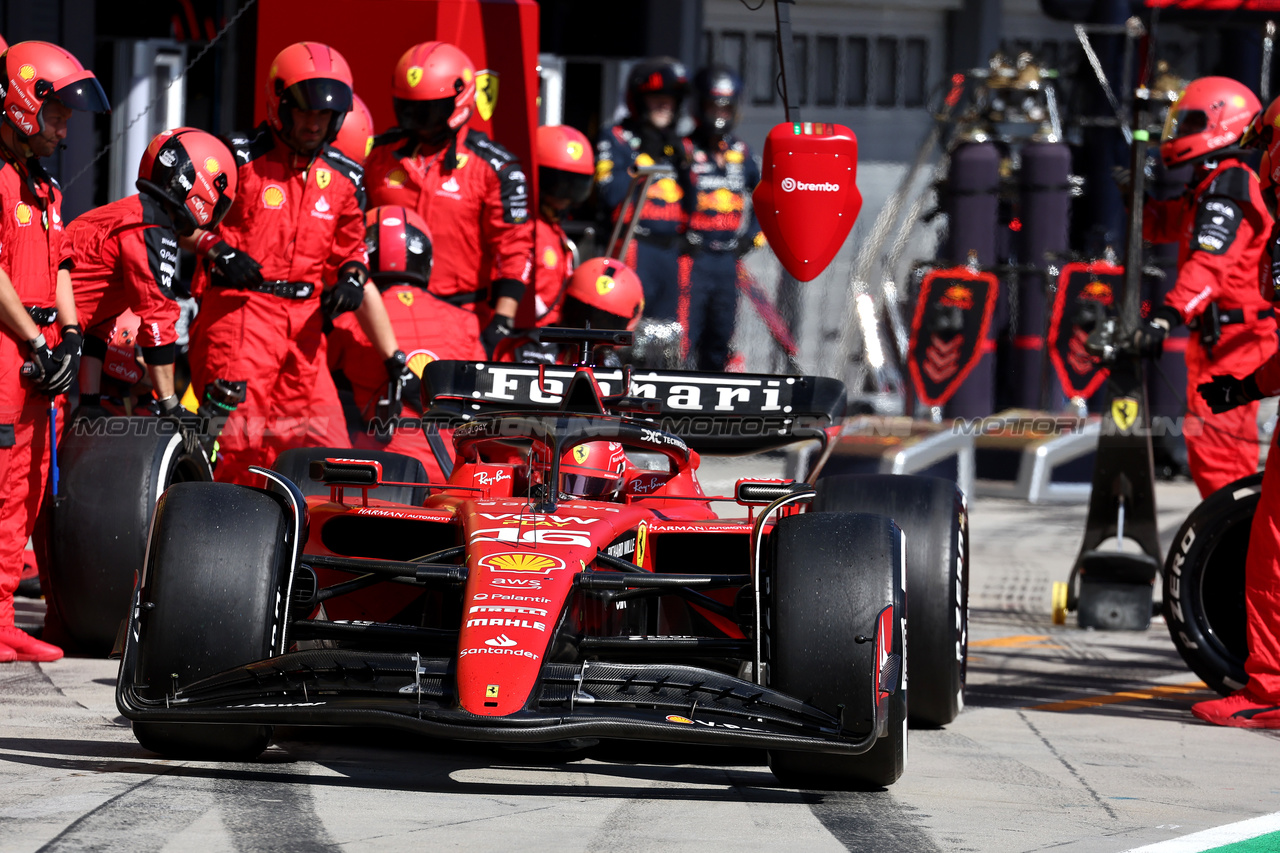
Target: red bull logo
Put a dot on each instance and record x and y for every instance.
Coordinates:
(720, 201)
(958, 296)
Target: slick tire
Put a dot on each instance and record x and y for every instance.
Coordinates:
(211, 602)
(112, 472)
(933, 514)
(831, 576)
(396, 467)
(1204, 585)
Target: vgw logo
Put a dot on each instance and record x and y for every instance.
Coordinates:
(789, 184)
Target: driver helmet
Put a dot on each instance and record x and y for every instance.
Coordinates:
(593, 469)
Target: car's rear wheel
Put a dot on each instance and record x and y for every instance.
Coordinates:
(112, 472)
(933, 514)
(831, 576)
(1204, 603)
(396, 468)
(211, 601)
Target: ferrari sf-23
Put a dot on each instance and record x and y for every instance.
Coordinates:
(570, 582)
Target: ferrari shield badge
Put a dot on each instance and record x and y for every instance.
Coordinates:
(951, 322)
(1124, 411)
(486, 93)
(406, 297)
(323, 177)
(1086, 295)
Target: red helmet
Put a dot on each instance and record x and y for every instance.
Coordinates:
(36, 71)
(1212, 113)
(355, 139)
(308, 76)
(594, 469)
(399, 245)
(604, 293)
(192, 174)
(566, 164)
(434, 89)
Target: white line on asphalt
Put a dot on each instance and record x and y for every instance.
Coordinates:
(1216, 837)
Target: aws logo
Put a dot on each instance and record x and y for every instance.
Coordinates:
(273, 197)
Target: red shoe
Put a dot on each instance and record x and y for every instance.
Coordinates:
(26, 647)
(7, 654)
(1241, 709)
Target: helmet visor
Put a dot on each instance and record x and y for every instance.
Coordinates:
(84, 94)
(429, 119)
(320, 94)
(1181, 123)
(584, 486)
(557, 183)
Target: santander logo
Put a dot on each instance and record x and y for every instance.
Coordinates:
(502, 641)
(790, 184)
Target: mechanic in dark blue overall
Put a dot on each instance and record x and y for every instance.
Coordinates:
(722, 227)
(646, 137)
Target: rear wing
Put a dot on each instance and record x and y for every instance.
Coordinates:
(712, 412)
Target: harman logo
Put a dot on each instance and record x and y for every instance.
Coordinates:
(790, 184)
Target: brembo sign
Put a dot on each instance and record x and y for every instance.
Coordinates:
(791, 185)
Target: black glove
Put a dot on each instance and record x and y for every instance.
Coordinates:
(1225, 393)
(499, 328)
(344, 296)
(661, 143)
(49, 370)
(690, 243)
(73, 345)
(235, 265)
(391, 404)
(1148, 339)
(188, 424)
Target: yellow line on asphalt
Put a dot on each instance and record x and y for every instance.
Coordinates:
(1020, 640)
(1157, 692)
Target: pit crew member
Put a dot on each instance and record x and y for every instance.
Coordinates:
(724, 173)
(566, 168)
(126, 253)
(43, 85)
(646, 137)
(471, 192)
(400, 257)
(289, 254)
(1221, 225)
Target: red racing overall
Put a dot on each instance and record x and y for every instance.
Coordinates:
(426, 330)
(1222, 227)
(552, 267)
(478, 214)
(32, 246)
(301, 220)
(126, 256)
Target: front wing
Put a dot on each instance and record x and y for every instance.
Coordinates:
(652, 702)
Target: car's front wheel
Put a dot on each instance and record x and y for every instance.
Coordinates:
(211, 601)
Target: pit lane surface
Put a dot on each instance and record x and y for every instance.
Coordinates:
(1072, 741)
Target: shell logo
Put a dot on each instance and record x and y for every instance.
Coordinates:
(419, 359)
(22, 213)
(604, 284)
(27, 72)
(574, 150)
(676, 718)
(211, 165)
(397, 178)
(550, 259)
(414, 76)
(524, 563)
(958, 296)
(1237, 101)
(272, 197)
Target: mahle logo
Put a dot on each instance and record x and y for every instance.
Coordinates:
(790, 184)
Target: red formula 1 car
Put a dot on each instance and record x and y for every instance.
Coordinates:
(518, 604)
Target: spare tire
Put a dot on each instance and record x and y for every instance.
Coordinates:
(112, 472)
(1204, 585)
(396, 468)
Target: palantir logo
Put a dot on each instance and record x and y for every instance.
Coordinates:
(789, 184)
